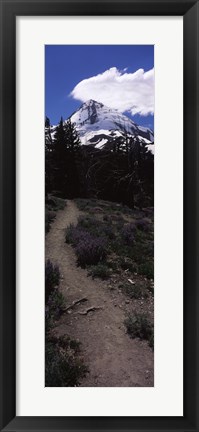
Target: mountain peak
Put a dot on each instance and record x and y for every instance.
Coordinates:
(98, 124)
(92, 102)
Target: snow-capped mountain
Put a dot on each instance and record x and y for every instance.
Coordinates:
(99, 125)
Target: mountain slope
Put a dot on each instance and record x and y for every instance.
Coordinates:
(98, 125)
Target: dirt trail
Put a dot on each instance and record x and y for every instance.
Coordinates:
(114, 360)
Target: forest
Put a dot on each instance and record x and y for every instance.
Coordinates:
(122, 171)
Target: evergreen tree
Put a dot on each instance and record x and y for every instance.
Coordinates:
(60, 141)
(66, 148)
(60, 158)
(73, 141)
(47, 122)
(73, 159)
(49, 166)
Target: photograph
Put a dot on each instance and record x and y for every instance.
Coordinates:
(99, 215)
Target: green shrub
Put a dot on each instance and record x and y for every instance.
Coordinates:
(127, 264)
(81, 203)
(87, 221)
(101, 271)
(66, 342)
(119, 248)
(112, 263)
(52, 205)
(85, 204)
(133, 291)
(56, 304)
(142, 225)
(138, 325)
(151, 340)
(55, 203)
(107, 218)
(147, 269)
(60, 203)
(128, 233)
(48, 320)
(52, 278)
(63, 366)
(49, 217)
(150, 287)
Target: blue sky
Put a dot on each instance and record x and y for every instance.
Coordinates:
(68, 66)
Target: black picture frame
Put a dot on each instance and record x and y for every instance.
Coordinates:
(9, 11)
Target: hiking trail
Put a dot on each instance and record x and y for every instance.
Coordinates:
(113, 358)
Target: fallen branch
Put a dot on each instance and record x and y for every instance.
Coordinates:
(132, 282)
(90, 309)
(74, 303)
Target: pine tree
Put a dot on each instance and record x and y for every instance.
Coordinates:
(48, 137)
(47, 122)
(73, 159)
(66, 147)
(60, 158)
(49, 176)
(60, 141)
(73, 141)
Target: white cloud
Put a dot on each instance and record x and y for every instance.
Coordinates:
(133, 92)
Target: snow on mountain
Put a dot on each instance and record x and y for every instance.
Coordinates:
(98, 125)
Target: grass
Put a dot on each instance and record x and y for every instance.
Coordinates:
(138, 325)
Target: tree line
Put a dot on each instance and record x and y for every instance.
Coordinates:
(122, 171)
